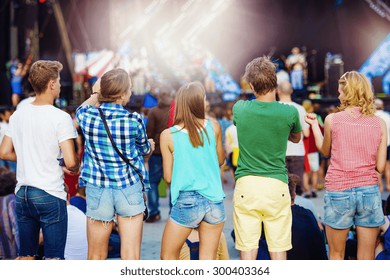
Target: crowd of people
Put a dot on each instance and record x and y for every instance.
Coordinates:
(277, 150)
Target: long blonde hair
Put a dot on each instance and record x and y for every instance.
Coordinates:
(358, 92)
(189, 109)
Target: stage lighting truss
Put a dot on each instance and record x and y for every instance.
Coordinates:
(380, 7)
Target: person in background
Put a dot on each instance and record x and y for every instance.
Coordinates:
(296, 65)
(382, 250)
(5, 114)
(158, 121)
(9, 233)
(192, 155)
(295, 154)
(312, 164)
(385, 116)
(356, 140)
(40, 190)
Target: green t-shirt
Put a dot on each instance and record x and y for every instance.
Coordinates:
(263, 129)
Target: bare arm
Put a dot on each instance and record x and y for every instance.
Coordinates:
(218, 139)
(70, 157)
(166, 147)
(295, 137)
(306, 132)
(93, 99)
(381, 157)
(7, 151)
(323, 143)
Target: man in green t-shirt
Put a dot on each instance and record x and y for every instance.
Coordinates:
(261, 194)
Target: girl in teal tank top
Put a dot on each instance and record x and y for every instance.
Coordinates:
(192, 153)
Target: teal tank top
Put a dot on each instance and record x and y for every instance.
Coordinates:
(195, 169)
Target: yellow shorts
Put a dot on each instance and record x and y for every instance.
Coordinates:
(260, 200)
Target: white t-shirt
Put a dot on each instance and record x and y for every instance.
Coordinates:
(3, 130)
(386, 118)
(76, 247)
(297, 149)
(36, 133)
(231, 139)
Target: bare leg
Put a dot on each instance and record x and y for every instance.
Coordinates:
(278, 255)
(337, 241)
(130, 232)
(379, 249)
(306, 185)
(15, 99)
(314, 180)
(209, 236)
(380, 182)
(25, 258)
(387, 175)
(249, 255)
(173, 239)
(366, 242)
(98, 233)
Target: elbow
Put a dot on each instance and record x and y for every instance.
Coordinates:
(296, 140)
(325, 154)
(380, 169)
(73, 165)
(167, 179)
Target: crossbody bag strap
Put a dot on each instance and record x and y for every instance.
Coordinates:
(116, 148)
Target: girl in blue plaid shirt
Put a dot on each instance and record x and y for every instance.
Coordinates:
(113, 188)
(192, 154)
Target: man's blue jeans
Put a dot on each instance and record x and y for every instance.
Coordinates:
(155, 176)
(36, 209)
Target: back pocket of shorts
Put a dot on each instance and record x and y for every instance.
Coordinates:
(94, 195)
(340, 204)
(371, 201)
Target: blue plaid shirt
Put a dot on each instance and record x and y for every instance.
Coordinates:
(102, 166)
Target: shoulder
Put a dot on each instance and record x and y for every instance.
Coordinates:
(329, 118)
(239, 104)
(166, 134)
(214, 123)
(135, 116)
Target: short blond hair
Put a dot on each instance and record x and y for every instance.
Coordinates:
(42, 72)
(358, 92)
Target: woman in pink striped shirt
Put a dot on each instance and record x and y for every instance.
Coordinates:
(356, 140)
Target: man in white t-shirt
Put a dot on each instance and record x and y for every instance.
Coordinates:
(380, 112)
(41, 138)
(295, 154)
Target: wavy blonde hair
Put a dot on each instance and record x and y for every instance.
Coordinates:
(189, 109)
(358, 92)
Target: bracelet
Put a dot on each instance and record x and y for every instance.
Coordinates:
(94, 93)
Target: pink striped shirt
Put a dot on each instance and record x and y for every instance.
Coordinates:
(355, 143)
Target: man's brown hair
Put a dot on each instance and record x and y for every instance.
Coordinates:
(261, 74)
(42, 72)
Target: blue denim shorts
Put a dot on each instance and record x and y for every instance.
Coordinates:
(192, 208)
(104, 203)
(36, 209)
(360, 206)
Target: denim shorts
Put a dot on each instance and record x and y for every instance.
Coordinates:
(192, 208)
(361, 206)
(36, 209)
(104, 203)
